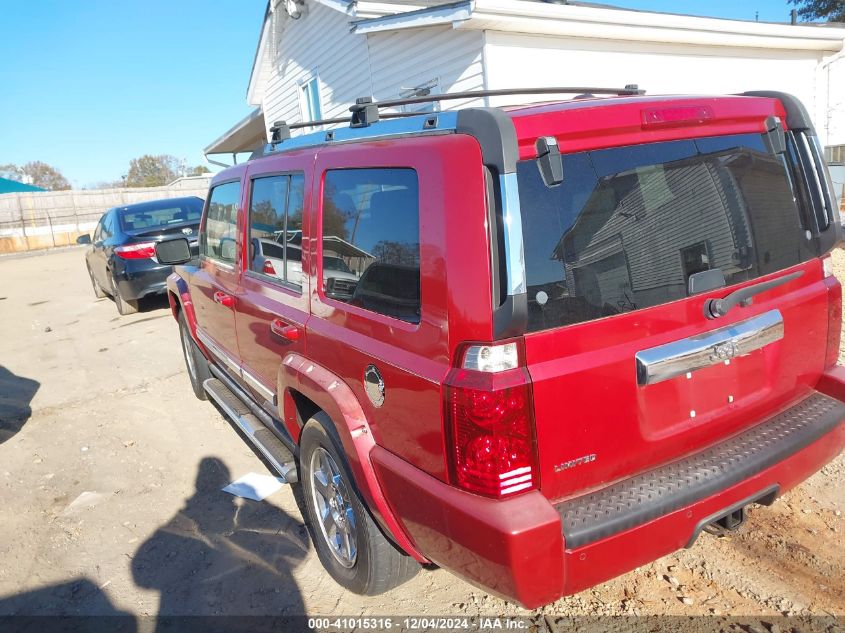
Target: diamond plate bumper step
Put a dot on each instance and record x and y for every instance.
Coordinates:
(635, 501)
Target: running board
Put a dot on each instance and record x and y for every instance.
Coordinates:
(280, 458)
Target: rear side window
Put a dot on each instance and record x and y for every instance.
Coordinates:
(275, 228)
(629, 225)
(220, 231)
(371, 240)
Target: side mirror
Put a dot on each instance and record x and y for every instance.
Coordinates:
(173, 252)
(83, 239)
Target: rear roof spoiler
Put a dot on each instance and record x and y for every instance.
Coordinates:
(797, 117)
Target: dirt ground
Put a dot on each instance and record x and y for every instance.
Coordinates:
(110, 478)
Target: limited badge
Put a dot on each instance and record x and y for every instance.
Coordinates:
(374, 385)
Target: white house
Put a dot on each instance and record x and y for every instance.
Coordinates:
(315, 57)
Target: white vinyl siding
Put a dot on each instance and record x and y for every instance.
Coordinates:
(515, 60)
(317, 44)
(408, 58)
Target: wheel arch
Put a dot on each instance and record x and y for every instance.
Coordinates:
(308, 388)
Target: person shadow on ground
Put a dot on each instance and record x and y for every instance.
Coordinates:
(222, 555)
(16, 394)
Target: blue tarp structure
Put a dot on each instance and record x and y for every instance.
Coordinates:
(13, 186)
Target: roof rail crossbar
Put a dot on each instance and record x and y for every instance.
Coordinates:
(367, 102)
(365, 112)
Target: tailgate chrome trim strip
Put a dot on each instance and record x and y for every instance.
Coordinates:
(673, 359)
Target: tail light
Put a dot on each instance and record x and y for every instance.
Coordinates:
(267, 268)
(144, 250)
(834, 312)
(490, 421)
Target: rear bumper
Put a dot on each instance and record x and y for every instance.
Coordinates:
(528, 550)
(140, 278)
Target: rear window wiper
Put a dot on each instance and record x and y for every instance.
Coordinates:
(715, 308)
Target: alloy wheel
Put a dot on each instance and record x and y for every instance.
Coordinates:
(189, 356)
(332, 501)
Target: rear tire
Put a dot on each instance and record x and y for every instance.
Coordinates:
(98, 291)
(195, 362)
(124, 306)
(348, 542)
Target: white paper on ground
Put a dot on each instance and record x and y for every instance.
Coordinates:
(254, 486)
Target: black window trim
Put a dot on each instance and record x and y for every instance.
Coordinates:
(408, 326)
(253, 274)
(222, 263)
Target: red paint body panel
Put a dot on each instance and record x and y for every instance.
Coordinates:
(514, 547)
(587, 400)
(586, 397)
(618, 554)
(456, 305)
(336, 399)
(511, 547)
(596, 124)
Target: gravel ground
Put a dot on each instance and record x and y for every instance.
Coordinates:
(111, 488)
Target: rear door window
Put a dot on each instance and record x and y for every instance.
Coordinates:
(371, 240)
(628, 226)
(220, 230)
(275, 228)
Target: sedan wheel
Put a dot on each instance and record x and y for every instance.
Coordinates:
(124, 306)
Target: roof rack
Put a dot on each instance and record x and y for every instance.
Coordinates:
(365, 111)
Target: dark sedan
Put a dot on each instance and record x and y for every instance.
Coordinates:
(121, 261)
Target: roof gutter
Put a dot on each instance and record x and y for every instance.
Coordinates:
(596, 22)
(452, 13)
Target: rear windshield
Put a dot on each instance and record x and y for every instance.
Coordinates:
(148, 217)
(628, 226)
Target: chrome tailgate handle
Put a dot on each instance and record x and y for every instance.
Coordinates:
(666, 361)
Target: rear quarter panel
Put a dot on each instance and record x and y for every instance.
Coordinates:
(455, 295)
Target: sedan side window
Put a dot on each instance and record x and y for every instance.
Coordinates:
(106, 230)
(275, 228)
(218, 236)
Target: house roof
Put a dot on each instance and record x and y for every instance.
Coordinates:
(13, 186)
(246, 135)
(575, 19)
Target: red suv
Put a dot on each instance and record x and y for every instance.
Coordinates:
(537, 346)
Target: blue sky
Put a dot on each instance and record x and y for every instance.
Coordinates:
(88, 85)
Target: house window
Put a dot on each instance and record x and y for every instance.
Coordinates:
(309, 96)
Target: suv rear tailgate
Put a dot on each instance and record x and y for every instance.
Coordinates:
(596, 423)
